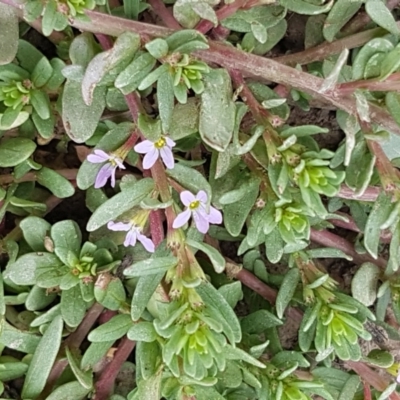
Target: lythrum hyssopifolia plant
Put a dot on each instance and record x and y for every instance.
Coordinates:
(195, 205)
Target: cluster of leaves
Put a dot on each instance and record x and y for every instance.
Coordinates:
(223, 158)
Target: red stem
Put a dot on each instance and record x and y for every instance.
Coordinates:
(329, 239)
(166, 16)
(371, 377)
(156, 227)
(104, 385)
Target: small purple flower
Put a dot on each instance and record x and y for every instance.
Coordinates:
(152, 150)
(196, 207)
(134, 234)
(107, 170)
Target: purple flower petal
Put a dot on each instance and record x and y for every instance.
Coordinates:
(167, 157)
(146, 242)
(187, 198)
(99, 156)
(150, 158)
(201, 222)
(130, 239)
(144, 147)
(170, 142)
(102, 176)
(181, 219)
(202, 196)
(214, 216)
(114, 170)
(119, 226)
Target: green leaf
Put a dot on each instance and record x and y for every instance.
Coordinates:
(73, 307)
(274, 36)
(381, 15)
(114, 329)
(83, 48)
(341, 12)
(38, 299)
(190, 179)
(302, 131)
(14, 151)
(145, 288)
(102, 64)
(56, 183)
(217, 260)
(22, 272)
(363, 285)
(217, 110)
(390, 63)
(41, 103)
(259, 31)
(379, 358)
(235, 214)
(9, 33)
(234, 353)
(111, 294)
(158, 48)
(56, 78)
(80, 120)
(151, 266)
(67, 391)
(165, 100)
(132, 9)
(131, 77)
(232, 293)
(42, 72)
(360, 168)
(306, 7)
(67, 234)
(153, 76)
(142, 332)
(182, 37)
(378, 215)
(350, 388)
(43, 360)
(286, 291)
(21, 118)
(12, 369)
(148, 358)
(35, 230)
(18, 340)
(380, 45)
(388, 391)
(120, 203)
(84, 378)
(243, 20)
(213, 298)
(150, 389)
(94, 353)
(258, 321)
(2, 301)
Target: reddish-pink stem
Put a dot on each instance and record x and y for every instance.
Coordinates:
(162, 11)
(251, 281)
(74, 340)
(156, 227)
(371, 377)
(329, 239)
(104, 384)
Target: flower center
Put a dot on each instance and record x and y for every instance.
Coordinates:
(194, 204)
(160, 143)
